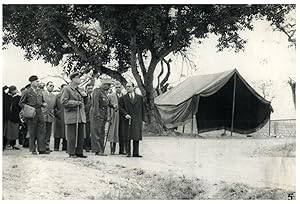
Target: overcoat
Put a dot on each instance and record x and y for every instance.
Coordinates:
(70, 98)
(134, 108)
(113, 119)
(14, 119)
(48, 111)
(59, 118)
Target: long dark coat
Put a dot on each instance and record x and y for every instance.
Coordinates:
(59, 118)
(134, 108)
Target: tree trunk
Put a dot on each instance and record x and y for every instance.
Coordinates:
(153, 120)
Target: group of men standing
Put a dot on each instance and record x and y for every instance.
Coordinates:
(84, 119)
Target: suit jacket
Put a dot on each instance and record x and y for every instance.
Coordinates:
(48, 111)
(31, 98)
(134, 108)
(70, 99)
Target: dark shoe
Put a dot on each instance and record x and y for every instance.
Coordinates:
(16, 148)
(81, 156)
(137, 156)
(44, 152)
(72, 156)
(34, 153)
(49, 150)
(122, 153)
(128, 155)
(56, 150)
(87, 150)
(100, 154)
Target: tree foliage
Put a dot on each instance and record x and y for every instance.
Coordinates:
(112, 39)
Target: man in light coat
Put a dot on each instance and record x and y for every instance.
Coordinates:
(74, 116)
(48, 111)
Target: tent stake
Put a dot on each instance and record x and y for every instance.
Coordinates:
(233, 103)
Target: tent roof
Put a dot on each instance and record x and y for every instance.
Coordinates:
(203, 85)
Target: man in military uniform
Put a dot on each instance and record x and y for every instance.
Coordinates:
(98, 117)
(36, 126)
(74, 116)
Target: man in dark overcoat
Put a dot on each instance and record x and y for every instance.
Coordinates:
(59, 133)
(74, 116)
(132, 108)
(87, 106)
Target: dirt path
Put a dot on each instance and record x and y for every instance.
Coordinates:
(213, 161)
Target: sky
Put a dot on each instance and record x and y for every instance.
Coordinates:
(266, 57)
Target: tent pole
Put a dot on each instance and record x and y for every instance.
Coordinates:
(233, 103)
(192, 122)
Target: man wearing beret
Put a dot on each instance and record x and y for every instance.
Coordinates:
(36, 125)
(98, 117)
(74, 116)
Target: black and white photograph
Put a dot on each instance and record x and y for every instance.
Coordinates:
(135, 101)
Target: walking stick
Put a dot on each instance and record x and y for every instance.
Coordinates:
(76, 134)
(107, 135)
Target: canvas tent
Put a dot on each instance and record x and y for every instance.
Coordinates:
(219, 101)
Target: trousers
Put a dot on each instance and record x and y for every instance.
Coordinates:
(48, 134)
(72, 149)
(36, 129)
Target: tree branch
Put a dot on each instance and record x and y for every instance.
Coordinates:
(79, 51)
(162, 84)
(134, 69)
(141, 63)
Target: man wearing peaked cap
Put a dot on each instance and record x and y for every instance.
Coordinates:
(74, 117)
(98, 117)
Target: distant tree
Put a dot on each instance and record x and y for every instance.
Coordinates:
(292, 84)
(112, 39)
(265, 88)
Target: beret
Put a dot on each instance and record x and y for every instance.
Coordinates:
(33, 78)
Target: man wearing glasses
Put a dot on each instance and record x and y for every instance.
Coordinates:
(48, 111)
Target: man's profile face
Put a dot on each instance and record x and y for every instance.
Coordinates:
(106, 86)
(35, 83)
(118, 88)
